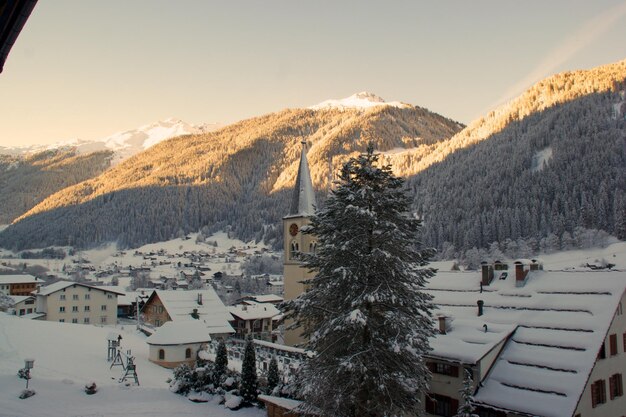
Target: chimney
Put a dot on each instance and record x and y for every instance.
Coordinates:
(520, 274)
(199, 299)
(442, 324)
(480, 303)
(487, 273)
(535, 265)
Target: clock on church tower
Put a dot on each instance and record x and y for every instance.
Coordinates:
(293, 229)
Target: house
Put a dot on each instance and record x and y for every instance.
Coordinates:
(276, 287)
(19, 284)
(204, 305)
(536, 342)
(254, 319)
(261, 298)
(74, 302)
(21, 305)
(177, 342)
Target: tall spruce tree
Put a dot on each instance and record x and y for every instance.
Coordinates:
(221, 363)
(248, 389)
(272, 375)
(364, 313)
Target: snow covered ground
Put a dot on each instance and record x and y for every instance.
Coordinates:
(67, 356)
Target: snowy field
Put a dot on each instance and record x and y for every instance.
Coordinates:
(67, 356)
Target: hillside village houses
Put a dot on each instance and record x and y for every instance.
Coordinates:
(536, 342)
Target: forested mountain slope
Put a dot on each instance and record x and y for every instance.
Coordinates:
(554, 161)
(27, 180)
(238, 177)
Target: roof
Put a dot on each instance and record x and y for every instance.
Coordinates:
(303, 200)
(180, 332)
(61, 285)
(20, 279)
(19, 298)
(13, 16)
(254, 311)
(180, 305)
(266, 298)
(285, 403)
(552, 329)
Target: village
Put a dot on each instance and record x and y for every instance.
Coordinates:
(532, 337)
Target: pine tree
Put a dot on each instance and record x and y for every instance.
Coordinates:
(272, 375)
(364, 313)
(248, 389)
(467, 408)
(221, 363)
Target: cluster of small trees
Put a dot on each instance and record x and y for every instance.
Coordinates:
(215, 378)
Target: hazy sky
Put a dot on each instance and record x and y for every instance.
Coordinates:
(87, 69)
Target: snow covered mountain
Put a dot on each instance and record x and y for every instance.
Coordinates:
(123, 144)
(362, 100)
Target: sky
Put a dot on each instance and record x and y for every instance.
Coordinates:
(85, 69)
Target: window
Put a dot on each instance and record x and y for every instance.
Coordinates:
(74, 309)
(30, 301)
(624, 337)
(74, 320)
(29, 310)
(443, 369)
(103, 307)
(613, 344)
(86, 320)
(161, 309)
(602, 353)
(161, 354)
(157, 323)
(22, 311)
(615, 386)
(75, 297)
(188, 353)
(62, 297)
(103, 319)
(441, 405)
(86, 308)
(62, 309)
(87, 296)
(109, 296)
(61, 320)
(598, 393)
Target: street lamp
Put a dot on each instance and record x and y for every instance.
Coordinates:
(28, 365)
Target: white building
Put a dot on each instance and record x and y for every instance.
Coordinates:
(177, 342)
(254, 319)
(73, 302)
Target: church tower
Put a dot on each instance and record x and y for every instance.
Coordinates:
(302, 208)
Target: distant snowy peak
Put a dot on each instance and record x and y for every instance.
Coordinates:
(362, 100)
(125, 144)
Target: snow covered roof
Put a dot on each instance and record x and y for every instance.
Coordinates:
(212, 312)
(60, 285)
(254, 311)
(268, 298)
(557, 323)
(303, 202)
(362, 100)
(19, 298)
(180, 332)
(19, 279)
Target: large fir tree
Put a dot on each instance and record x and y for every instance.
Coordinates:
(364, 313)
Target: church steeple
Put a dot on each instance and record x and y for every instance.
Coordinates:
(303, 202)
